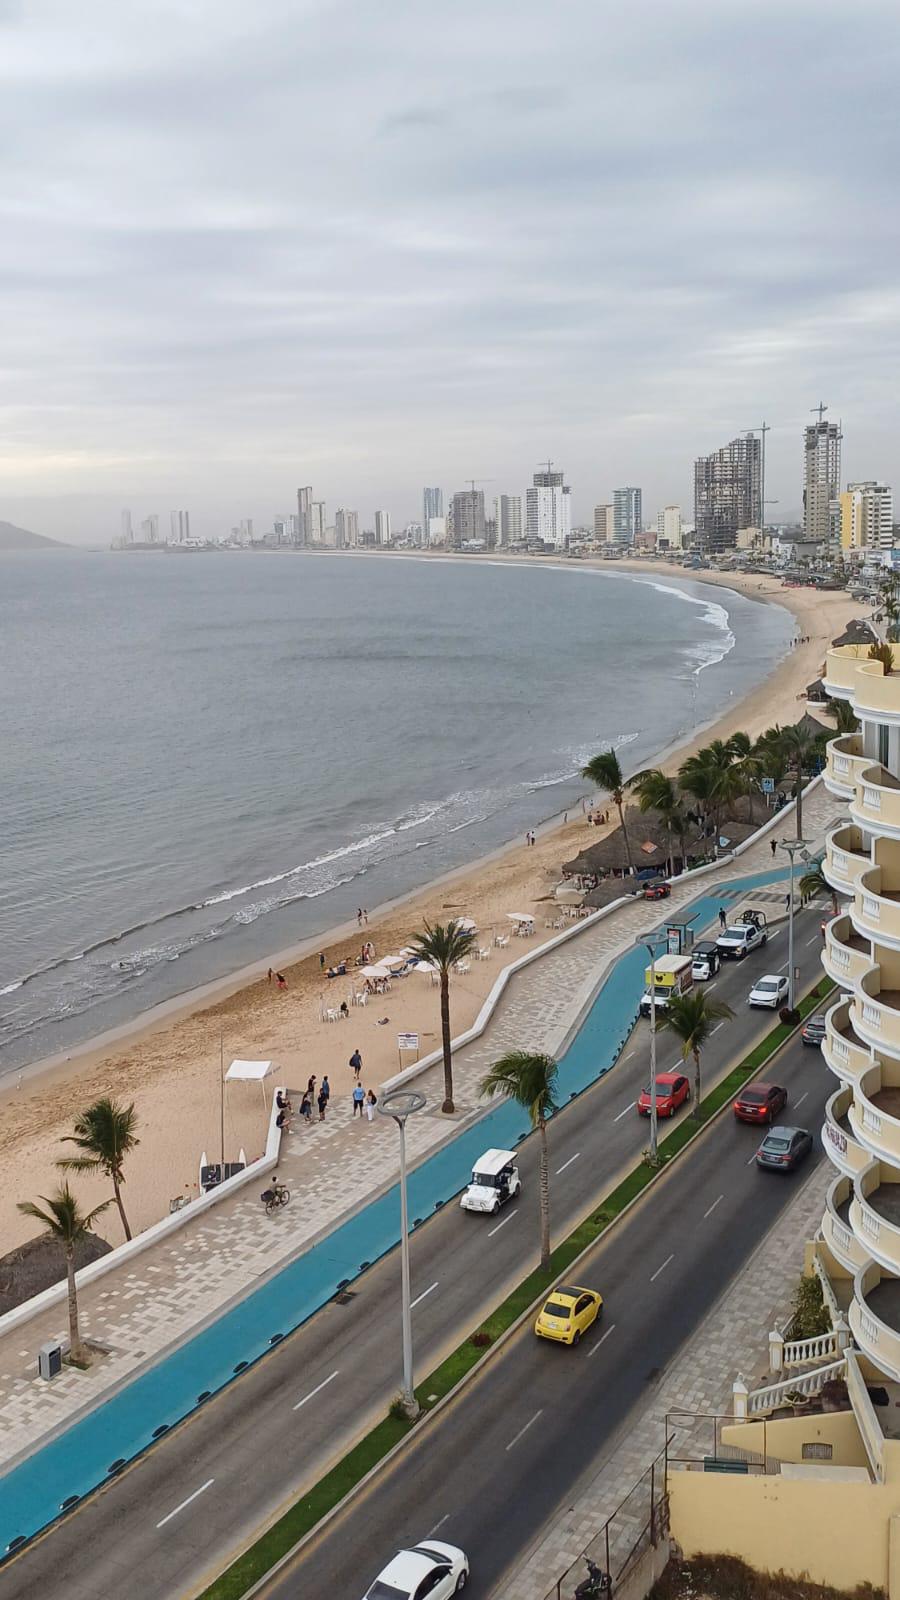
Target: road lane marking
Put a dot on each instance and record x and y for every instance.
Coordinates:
(721, 1024)
(625, 1112)
(316, 1390)
(713, 1206)
(751, 1161)
(630, 1054)
(568, 1163)
(420, 1297)
(801, 1100)
(656, 1274)
(594, 1348)
(813, 940)
(525, 1429)
(432, 1531)
(775, 933)
(196, 1494)
(503, 1225)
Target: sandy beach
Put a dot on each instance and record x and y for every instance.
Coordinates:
(169, 1063)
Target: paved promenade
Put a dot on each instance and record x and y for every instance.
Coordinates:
(155, 1301)
(733, 1339)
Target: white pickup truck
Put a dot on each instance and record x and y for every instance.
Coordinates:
(749, 932)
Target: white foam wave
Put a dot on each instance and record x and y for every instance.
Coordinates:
(10, 988)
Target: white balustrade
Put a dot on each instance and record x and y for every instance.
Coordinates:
(871, 908)
(775, 1395)
(798, 1352)
(868, 1326)
(871, 1120)
(840, 766)
(870, 1224)
(871, 798)
(838, 864)
(839, 1047)
(871, 1016)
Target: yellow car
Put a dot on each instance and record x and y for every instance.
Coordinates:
(568, 1313)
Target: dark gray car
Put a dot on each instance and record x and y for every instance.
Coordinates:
(783, 1149)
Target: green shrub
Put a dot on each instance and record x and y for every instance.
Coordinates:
(811, 1316)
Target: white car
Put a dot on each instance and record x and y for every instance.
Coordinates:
(432, 1569)
(771, 991)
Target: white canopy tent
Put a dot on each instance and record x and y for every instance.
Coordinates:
(466, 925)
(378, 971)
(250, 1072)
(520, 916)
(393, 963)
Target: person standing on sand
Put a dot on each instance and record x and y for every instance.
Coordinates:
(282, 980)
(359, 916)
(358, 1099)
(321, 961)
(365, 916)
(269, 975)
(356, 1063)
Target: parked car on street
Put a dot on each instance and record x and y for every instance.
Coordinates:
(567, 1313)
(657, 889)
(760, 1102)
(672, 1090)
(705, 960)
(748, 932)
(770, 991)
(783, 1149)
(813, 1030)
(431, 1568)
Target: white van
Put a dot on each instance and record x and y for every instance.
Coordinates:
(495, 1178)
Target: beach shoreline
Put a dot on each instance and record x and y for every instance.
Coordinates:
(169, 1059)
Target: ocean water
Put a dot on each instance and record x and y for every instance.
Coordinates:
(205, 759)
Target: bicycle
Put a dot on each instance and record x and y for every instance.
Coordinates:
(275, 1197)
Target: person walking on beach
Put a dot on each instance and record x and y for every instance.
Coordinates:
(371, 1103)
(321, 961)
(359, 916)
(269, 975)
(356, 1064)
(282, 980)
(358, 1099)
(365, 916)
(723, 920)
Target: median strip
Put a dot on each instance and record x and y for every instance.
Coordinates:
(365, 1457)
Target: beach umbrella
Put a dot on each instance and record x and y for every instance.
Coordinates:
(393, 963)
(375, 972)
(520, 916)
(466, 925)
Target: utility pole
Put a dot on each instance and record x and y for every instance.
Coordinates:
(402, 1104)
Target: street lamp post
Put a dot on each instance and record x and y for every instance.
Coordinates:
(792, 846)
(402, 1104)
(650, 948)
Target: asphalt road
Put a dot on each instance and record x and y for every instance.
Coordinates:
(175, 1516)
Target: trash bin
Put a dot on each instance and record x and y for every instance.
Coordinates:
(50, 1359)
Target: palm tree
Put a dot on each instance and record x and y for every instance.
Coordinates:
(748, 766)
(814, 882)
(796, 744)
(691, 1017)
(65, 1222)
(443, 947)
(883, 653)
(531, 1081)
(845, 718)
(105, 1133)
(604, 771)
(655, 791)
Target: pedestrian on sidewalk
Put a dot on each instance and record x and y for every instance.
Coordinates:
(358, 1099)
(326, 1088)
(306, 1109)
(322, 1104)
(723, 920)
(311, 1088)
(774, 845)
(356, 1063)
(371, 1103)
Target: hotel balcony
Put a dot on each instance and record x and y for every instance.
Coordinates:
(847, 955)
(836, 1229)
(876, 797)
(846, 858)
(841, 1147)
(842, 1050)
(874, 1317)
(875, 1011)
(874, 1112)
(844, 762)
(874, 1213)
(842, 663)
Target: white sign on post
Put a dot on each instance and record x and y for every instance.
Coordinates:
(407, 1041)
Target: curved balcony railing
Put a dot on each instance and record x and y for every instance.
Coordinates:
(875, 911)
(847, 955)
(843, 763)
(841, 1147)
(842, 663)
(846, 858)
(873, 1313)
(876, 693)
(876, 798)
(875, 1013)
(842, 1051)
(836, 1229)
(874, 1215)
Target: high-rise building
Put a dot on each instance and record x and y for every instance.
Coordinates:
(548, 511)
(821, 476)
(346, 529)
(627, 515)
(668, 528)
(179, 527)
(432, 505)
(604, 524)
(317, 522)
(467, 518)
(508, 517)
(436, 532)
(127, 528)
(304, 502)
(382, 527)
(727, 493)
(150, 529)
(867, 518)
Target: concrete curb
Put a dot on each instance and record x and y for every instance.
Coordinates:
(481, 1364)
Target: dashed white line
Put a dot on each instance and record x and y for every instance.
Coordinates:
(503, 1223)
(432, 1531)
(813, 940)
(655, 1275)
(801, 1100)
(720, 1024)
(602, 1339)
(751, 1161)
(630, 1054)
(191, 1497)
(420, 1297)
(525, 1429)
(625, 1112)
(712, 1208)
(319, 1387)
(568, 1163)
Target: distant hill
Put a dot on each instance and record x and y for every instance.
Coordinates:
(13, 538)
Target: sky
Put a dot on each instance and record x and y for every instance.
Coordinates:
(369, 246)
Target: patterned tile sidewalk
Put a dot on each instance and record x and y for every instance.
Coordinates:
(158, 1298)
(732, 1339)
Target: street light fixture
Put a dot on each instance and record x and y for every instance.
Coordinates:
(402, 1104)
(649, 943)
(792, 846)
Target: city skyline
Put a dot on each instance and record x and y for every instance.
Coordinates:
(207, 310)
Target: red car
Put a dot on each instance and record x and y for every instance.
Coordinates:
(658, 890)
(672, 1089)
(760, 1102)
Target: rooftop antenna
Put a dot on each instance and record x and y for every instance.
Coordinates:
(821, 408)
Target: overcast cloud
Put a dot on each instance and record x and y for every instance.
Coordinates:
(369, 246)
